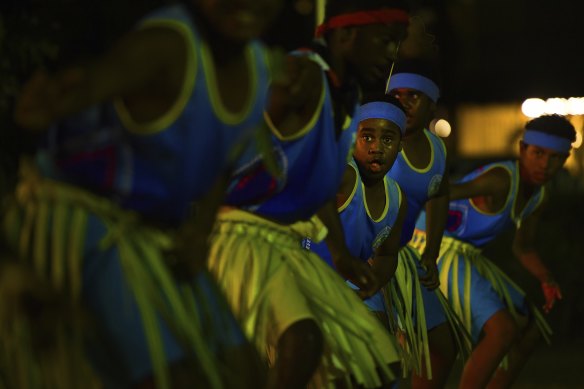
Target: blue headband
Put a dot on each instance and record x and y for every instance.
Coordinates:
(541, 139)
(381, 110)
(414, 81)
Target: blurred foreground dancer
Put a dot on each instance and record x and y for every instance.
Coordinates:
(103, 211)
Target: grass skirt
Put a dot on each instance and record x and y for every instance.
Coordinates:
(272, 282)
(409, 301)
(46, 225)
(452, 252)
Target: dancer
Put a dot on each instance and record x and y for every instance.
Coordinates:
(104, 210)
(288, 300)
(421, 170)
(483, 204)
(371, 205)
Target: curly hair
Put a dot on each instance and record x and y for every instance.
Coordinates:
(557, 125)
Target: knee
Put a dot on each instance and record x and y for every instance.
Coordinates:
(501, 328)
(305, 337)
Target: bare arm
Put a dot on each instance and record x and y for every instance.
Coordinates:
(494, 182)
(191, 239)
(296, 98)
(134, 63)
(436, 216)
(350, 268)
(524, 250)
(384, 261)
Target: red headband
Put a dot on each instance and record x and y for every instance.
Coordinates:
(382, 16)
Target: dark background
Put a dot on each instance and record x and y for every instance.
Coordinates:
(492, 51)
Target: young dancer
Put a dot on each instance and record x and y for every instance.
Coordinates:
(484, 203)
(104, 210)
(371, 205)
(421, 170)
(288, 300)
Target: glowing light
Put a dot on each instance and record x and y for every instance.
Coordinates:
(556, 105)
(440, 127)
(535, 107)
(575, 106)
(578, 142)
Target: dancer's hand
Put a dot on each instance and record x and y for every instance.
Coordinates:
(551, 292)
(430, 280)
(360, 274)
(45, 98)
(189, 253)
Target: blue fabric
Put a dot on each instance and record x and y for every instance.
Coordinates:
(158, 174)
(419, 185)
(432, 307)
(363, 234)
(313, 166)
(375, 303)
(541, 139)
(112, 304)
(484, 300)
(414, 81)
(381, 110)
(468, 224)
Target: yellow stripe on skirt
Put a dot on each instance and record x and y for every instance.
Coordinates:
(453, 250)
(272, 282)
(403, 296)
(46, 223)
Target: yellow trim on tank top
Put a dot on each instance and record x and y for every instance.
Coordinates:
(347, 122)
(430, 164)
(399, 193)
(385, 209)
(508, 194)
(304, 130)
(350, 198)
(168, 118)
(224, 115)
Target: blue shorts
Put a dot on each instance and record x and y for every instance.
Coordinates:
(484, 299)
(432, 307)
(113, 306)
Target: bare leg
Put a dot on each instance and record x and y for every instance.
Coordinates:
(246, 367)
(518, 355)
(299, 351)
(500, 332)
(442, 357)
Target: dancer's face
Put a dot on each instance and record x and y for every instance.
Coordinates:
(374, 49)
(378, 142)
(419, 108)
(539, 164)
(238, 20)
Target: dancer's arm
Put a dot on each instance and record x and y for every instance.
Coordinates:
(436, 216)
(148, 60)
(296, 98)
(350, 268)
(524, 250)
(494, 182)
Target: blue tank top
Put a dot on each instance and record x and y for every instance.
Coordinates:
(363, 233)
(312, 163)
(159, 168)
(419, 185)
(469, 224)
